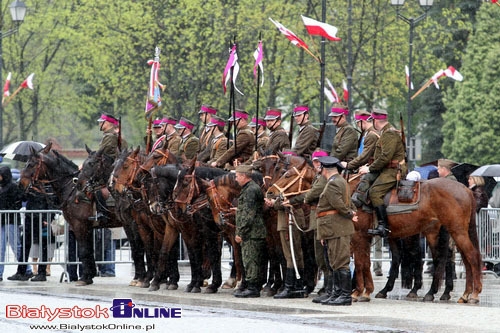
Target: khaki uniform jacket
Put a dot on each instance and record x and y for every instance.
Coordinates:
(345, 143)
(218, 148)
(389, 148)
(335, 196)
(306, 140)
(206, 139)
(173, 142)
(278, 141)
(189, 147)
(109, 143)
(312, 198)
(371, 137)
(241, 150)
(262, 141)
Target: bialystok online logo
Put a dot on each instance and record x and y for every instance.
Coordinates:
(122, 308)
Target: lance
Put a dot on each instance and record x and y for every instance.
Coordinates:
(257, 104)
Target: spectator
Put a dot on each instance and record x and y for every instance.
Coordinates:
(476, 184)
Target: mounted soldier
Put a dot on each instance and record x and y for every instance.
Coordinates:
(307, 139)
(206, 113)
(345, 142)
(190, 144)
(278, 138)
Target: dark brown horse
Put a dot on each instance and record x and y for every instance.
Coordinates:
(442, 203)
(48, 166)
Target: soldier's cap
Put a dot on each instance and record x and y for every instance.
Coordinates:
(207, 109)
(378, 114)
(238, 114)
(243, 168)
(362, 115)
(216, 121)
(169, 120)
(445, 163)
(338, 109)
(329, 162)
(300, 109)
(157, 123)
(317, 154)
(254, 122)
(184, 123)
(273, 114)
(109, 118)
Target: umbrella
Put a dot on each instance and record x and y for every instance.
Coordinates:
(425, 170)
(490, 170)
(20, 150)
(464, 170)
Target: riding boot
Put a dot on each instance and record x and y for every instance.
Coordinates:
(288, 290)
(328, 289)
(251, 292)
(299, 290)
(345, 289)
(336, 289)
(382, 228)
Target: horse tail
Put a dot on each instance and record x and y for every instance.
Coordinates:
(472, 224)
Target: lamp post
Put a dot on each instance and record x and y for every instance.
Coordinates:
(17, 12)
(412, 22)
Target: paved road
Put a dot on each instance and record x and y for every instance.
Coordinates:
(223, 312)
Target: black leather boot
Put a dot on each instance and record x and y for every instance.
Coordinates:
(251, 292)
(101, 208)
(288, 290)
(345, 289)
(382, 228)
(299, 290)
(336, 290)
(328, 290)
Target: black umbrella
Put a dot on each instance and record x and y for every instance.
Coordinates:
(20, 150)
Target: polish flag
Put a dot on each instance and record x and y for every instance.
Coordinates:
(346, 92)
(407, 71)
(28, 83)
(6, 86)
(334, 92)
(290, 35)
(453, 73)
(328, 94)
(436, 77)
(317, 28)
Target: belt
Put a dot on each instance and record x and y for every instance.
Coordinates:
(394, 164)
(327, 212)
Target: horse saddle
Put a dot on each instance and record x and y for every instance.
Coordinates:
(403, 198)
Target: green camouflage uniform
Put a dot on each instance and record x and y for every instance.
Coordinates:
(252, 230)
(388, 157)
(345, 143)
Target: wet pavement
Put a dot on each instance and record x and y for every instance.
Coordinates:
(224, 312)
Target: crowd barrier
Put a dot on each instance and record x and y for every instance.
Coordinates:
(61, 246)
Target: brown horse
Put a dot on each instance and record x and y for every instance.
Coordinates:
(442, 203)
(48, 166)
(126, 184)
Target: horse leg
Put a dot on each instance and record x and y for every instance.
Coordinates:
(169, 238)
(86, 255)
(449, 270)
(472, 261)
(310, 266)
(172, 272)
(438, 245)
(213, 250)
(360, 247)
(394, 246)
(414, 256)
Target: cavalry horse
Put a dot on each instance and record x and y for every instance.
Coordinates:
(441, 203)
(48, 166)
(126, 184)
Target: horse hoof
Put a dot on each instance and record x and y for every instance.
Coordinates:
(196, 290)
(188, 289)
(205, 283)
(229, 284)
(154, 287)
(210, 290)
(362, 299)
(270, 292)
(380, 295)
(445, 297)
(462, 300)
(428, 298)
(412, 296)
(354, 299)
(143, 284)
(173, 286)
(133, 283)
(81, 283)
(473, 301)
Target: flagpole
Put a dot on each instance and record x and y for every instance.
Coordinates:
(257, 103)
(12, 96)
(426, 84)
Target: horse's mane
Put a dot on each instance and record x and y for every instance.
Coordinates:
(208, 173)
(66, 161)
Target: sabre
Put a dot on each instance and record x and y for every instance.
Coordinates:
(290, 234)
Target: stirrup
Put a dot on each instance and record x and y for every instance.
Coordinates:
(382, 232)
(98, 217)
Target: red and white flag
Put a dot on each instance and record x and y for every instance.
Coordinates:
(231, 62)
(436, 77)
(495, 1)
(346, 91)
(6, 86)
(334, 92)
(290, 35)
(28, 83)
(317, 28)
(408, 83)
(453, 73)
(259, 56)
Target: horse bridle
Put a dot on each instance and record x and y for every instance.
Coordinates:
(299, 178)
(219, 202)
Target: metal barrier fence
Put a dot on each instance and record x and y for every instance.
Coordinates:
(111, 246)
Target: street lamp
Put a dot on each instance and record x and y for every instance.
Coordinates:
(17, 11)
(412, 21)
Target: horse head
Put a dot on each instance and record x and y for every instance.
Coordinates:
(95, 171)
(296, 180)
(274, 167)
(125, 169)
(159, 187)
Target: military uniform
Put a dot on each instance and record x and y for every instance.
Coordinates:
(345, 143)
(189, 147)
(277, 142)
(218, 147)
(306, 140)
(251, 229)
(368, 142)
(109, 143)
(389, 158)
(206, 139)
(173, 142)
(241, 150)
